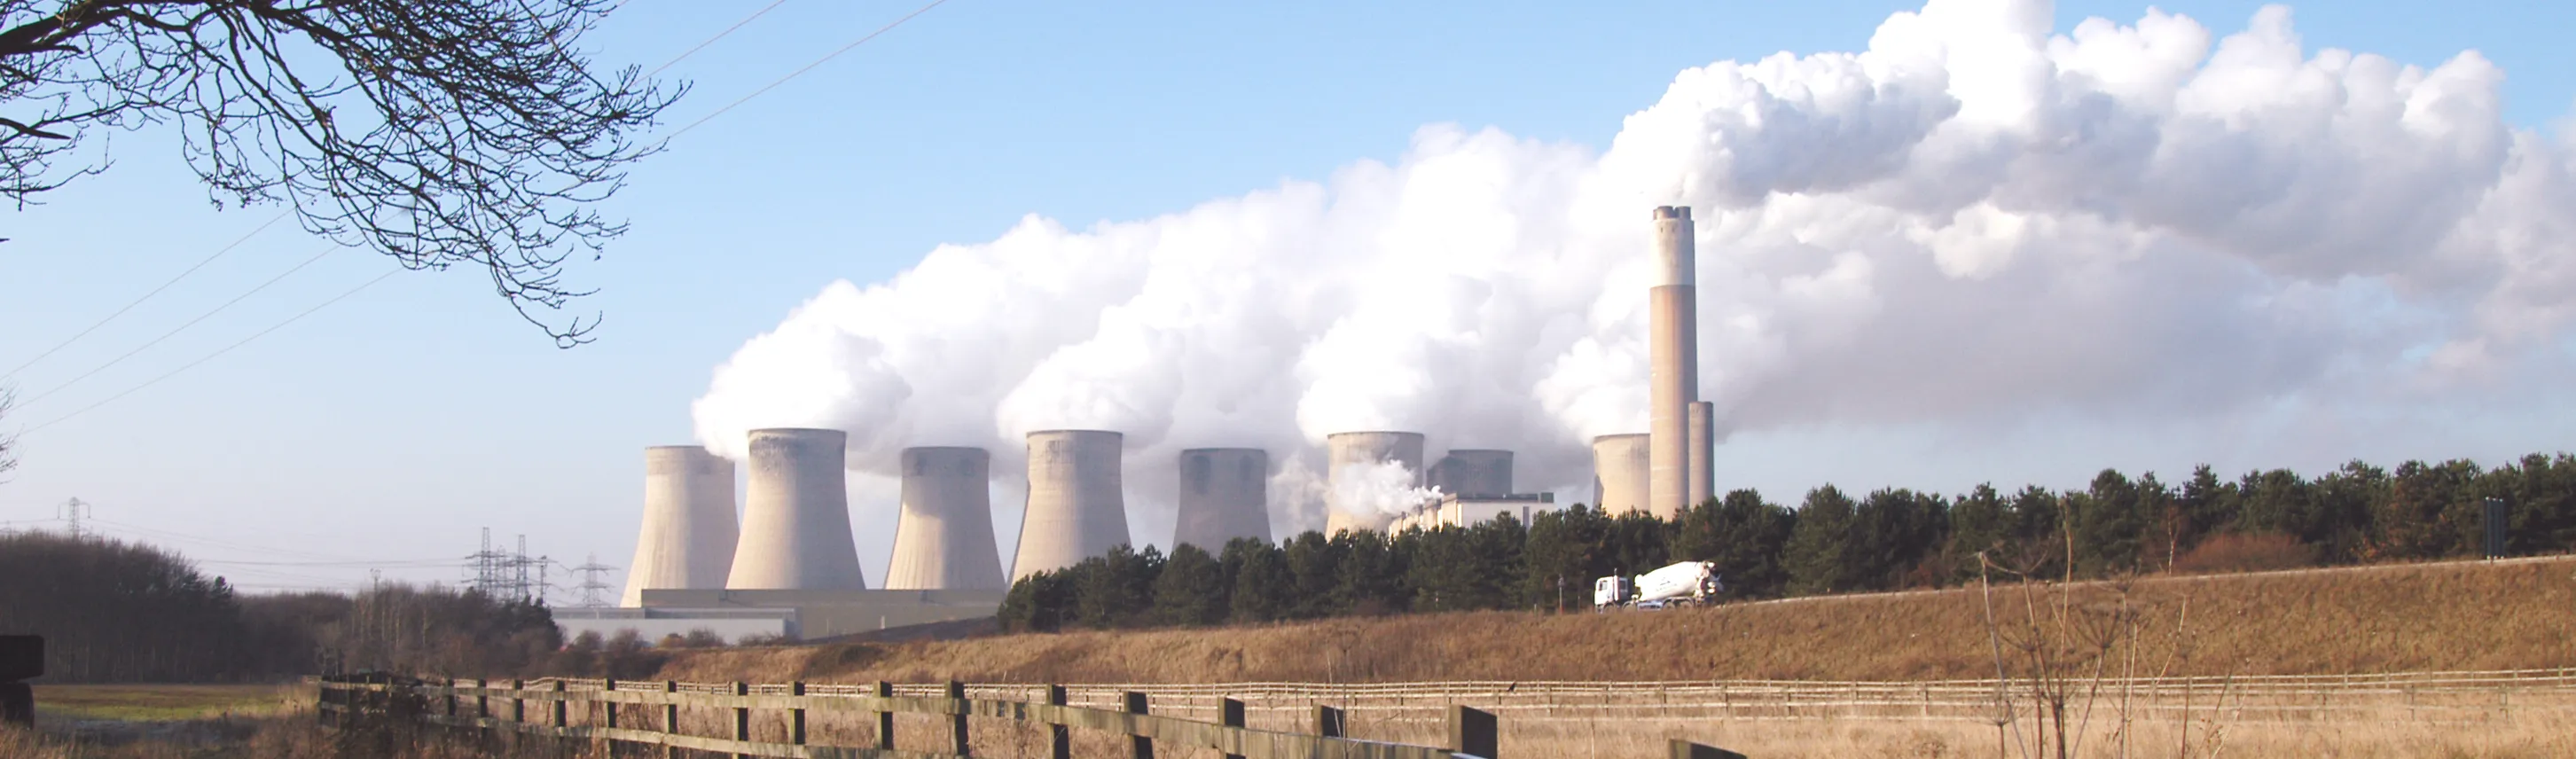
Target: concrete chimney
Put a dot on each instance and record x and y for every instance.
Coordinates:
(1346, 450)
(1620, 467)
(944, 539)
(1077, 504)
(1473, 472)
(1674, 336)
(796, 515)
(689, 531)
(1703, 443)
(1224, 495)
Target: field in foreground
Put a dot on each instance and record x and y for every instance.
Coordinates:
(2452, 616)
(162, 703)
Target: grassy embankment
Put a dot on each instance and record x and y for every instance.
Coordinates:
(2453, 616)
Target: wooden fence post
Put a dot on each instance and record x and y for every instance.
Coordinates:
(482, 698)
(741, 717)
(451, 698)
(518, 701)
(796, 717)
(1328, 722)
(1144, 745)
(610, 686)
(670, 716)
(885, 719)
(1059, 735)
(562, 705)
(957, 726)
(1472, 732)
(1230, 712)
(1683, 749)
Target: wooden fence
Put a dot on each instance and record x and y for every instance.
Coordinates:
(650, 714)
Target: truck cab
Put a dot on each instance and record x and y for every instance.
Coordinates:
(1612, 591)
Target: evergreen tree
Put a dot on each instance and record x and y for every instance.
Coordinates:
(1744, 535)
(1819, 557)
(1565, 546)
(1264, 589)
(1316, 563)
(1978, 524)
(1192, 589)
(1370, 580)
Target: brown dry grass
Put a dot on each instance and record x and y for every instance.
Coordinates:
(2456, 616)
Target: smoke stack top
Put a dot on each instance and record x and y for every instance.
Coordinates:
(1675, 252)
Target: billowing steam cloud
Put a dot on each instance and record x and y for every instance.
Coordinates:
(1972, 219)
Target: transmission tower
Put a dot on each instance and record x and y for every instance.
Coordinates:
(594, 591)
(72, 510)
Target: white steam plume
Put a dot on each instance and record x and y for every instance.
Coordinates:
(1973, 219)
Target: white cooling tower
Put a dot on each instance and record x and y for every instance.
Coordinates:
(1703, 456)
(1077, 509)
(944, 539)
(796, 516)
(1620, 467)
(688, 535)
(1224, 495)
(1473, 472)
(1673, 327)
(1347, 454)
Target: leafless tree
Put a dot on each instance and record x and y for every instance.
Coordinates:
(439, 132)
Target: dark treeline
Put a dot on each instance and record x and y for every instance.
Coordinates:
(1832, 542)
(113, 611)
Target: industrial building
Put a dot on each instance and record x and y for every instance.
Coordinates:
(943, 540)
(1077, 501)
(1224, 495)
(1347, 454)
(796, 515)
(1470, 510)
(688, 536)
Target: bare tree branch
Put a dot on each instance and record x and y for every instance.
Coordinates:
(438, 132)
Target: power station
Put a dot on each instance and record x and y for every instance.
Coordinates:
(790, 564)
(796, 515)
(1350, 457)
(1224, 494)
(1077, 500)
(688, 536)
(944, 538)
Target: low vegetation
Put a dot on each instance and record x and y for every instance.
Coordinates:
(2446, 616)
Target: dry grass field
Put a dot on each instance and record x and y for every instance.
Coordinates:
(2452, 616)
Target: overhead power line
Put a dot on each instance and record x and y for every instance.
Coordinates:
(712, 40)
(181, 328)
(809, 67)
(218, 352)
(219, 253)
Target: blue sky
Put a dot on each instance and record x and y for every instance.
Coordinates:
(390, 427)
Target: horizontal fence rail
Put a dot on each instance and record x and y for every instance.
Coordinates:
(547, 708)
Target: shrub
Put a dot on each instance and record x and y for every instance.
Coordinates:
(2246, 552)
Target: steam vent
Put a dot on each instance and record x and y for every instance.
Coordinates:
(1346, 450)
(944, 538)
(796, 517)
(1674, 378)
(688, 536)
(1620, 466)
(1224, 495)
(1473, 472)
(1076, 507)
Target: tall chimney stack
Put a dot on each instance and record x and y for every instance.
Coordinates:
(1674, 334)
(1703, 477)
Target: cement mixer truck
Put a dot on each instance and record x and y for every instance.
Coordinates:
(1683, 583)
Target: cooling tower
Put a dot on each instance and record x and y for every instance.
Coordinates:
(1076, 506)
(1224, 495)
(944, 539)
(1703, 452)
(1344, 450)
(688, 534)
(1473, 472)
(796, 516)
(1674, 336)
(1620, 466)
